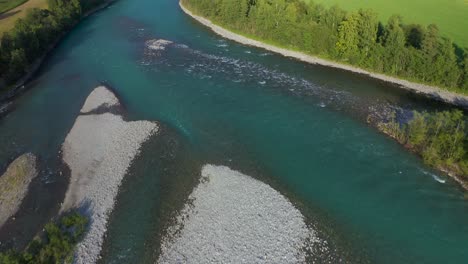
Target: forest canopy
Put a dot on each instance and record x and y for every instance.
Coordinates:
(439, 138)
(33, 35)
(55, 245)
(409, 51)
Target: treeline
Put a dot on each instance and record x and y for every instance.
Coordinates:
(56, 245)
(413, 51)
(32, 35)
(439, 138)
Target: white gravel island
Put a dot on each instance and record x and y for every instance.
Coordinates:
(98, 150)
(233, 218)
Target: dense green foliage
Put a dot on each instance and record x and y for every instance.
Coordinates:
(32, 36)
(413, 52)
(439, 138)
(56, 244)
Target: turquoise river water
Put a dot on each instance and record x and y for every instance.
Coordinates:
(299, 127)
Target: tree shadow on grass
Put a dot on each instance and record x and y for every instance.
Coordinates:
(8, 14)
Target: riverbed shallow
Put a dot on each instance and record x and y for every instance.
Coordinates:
(297, 127)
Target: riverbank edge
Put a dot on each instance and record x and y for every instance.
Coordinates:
(208, 211)
(429, 91)
(19, 86)
(15, 185)
(450, 172)
(98, 162)
(433, 92)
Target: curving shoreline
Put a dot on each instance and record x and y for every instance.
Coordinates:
(6, 97)
(14, 185)
(427, 90)
(233, 218)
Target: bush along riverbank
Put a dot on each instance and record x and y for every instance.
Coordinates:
(439, 138)
(412, 52)
(55, 245)
(23, 48)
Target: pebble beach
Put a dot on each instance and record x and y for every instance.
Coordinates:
(98, 150)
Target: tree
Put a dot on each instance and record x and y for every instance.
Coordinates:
(414, 35)
(348, 37)
(417, 130)
(54, 4)
(446, 65)
(464, 79)
(445, 141)
(32, 34)
(367, 31)
(394, 42)
(6, 46)
(54, 246)
(332, 18)
(430, 42)
(17, 66)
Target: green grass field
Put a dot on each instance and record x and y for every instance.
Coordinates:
(7, 19)
(451, 16)
(6, 5)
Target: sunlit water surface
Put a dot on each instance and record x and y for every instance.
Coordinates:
(298, 127)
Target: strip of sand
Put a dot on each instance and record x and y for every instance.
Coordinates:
(99, 149)
(430, 91)
(233, 218)
(14, 185)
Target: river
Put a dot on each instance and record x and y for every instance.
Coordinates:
(300, 128)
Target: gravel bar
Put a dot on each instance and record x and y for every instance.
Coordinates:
(233, 218)
(99, 150)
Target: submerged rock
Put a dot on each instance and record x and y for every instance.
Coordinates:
(99, 150)
(14, 185)
(233, 218)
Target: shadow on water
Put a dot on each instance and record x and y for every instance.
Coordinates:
(335, 246)
(40, 205)
(160, 181)
(59, 55)
(155, 189)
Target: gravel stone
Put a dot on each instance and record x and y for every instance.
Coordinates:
(14, 185)
(99, 149)
(233, 218)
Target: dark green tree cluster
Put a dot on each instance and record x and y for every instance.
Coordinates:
(413, 52)
(32, 36)
(439, 138)
(56, 245)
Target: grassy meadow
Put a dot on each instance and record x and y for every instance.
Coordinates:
(8, 18)
(6, 5)
(451, 16)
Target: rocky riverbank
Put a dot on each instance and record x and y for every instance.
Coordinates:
(99, 150)
(14, 184)
(233, 218)
(430, 91)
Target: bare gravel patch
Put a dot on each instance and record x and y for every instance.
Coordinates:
(14, 184)
(99, 149)
(233, 218)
